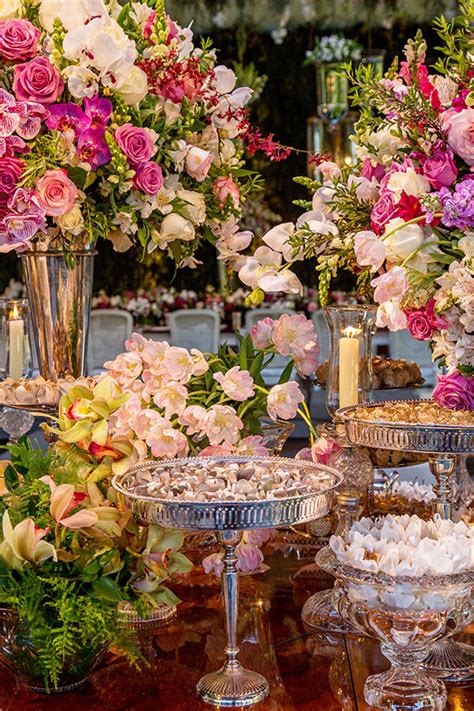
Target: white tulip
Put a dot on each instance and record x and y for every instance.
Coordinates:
(406, 240)
(195, 208)
(175, 227)
(410, 183)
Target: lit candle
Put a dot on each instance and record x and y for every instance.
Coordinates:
(349, 367)
(16, 333)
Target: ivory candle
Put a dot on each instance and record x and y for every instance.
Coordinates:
(16, 335)
(349, 367)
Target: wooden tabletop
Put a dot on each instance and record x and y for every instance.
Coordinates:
(307, 672)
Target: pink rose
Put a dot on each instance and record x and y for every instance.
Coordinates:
(383, 211)
(440, 168)
(454, 391)
(198, 162)
(391, 285)
(460, 129)
(224, 187)
(56, 193)
(423, 322)
(18, 39)
(11, 170)
(369, 250)
(262, 333)
(137, 143)
(37, 80)
(148, 178)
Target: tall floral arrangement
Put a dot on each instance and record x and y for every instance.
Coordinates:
(402, 220)
(113, 122)
(160, 401)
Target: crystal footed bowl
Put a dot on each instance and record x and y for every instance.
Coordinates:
(408, 615)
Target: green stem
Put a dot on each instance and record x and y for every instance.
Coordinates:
(305, 416)
(414, 221)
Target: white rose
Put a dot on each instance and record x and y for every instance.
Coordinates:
(174, 227)
(400, 244)
(72, 221)
(195, 208)
(135, 86)
(10, 8)
(410, 183)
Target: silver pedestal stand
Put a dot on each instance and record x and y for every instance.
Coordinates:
(233, 685)
(448, 660)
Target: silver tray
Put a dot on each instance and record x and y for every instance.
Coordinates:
(38, 409)
(227, 515)
(409, 437)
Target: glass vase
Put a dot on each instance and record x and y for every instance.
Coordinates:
(18, 654)
(59, 289)
(351, 328)
(331, 88)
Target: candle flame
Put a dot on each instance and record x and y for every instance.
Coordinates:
(14, 313)
(352, 332)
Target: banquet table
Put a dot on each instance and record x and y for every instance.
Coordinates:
(307, 672)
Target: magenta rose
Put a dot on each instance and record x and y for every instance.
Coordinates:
(440, 169)
(370, 171)
(148, 178)
(383, 211)
(37, 80)
(55, 192)
(137, 143)
(11, 170)
(422, 322)
(454, 391)
(18, 39)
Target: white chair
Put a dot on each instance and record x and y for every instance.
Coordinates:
(322, 332)
(108, 331)
(271, 374)
(403, 345)
(195, 328)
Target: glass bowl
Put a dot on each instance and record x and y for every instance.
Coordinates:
(408, 615)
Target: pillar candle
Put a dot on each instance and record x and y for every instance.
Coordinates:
(349, 368)
(16, 333)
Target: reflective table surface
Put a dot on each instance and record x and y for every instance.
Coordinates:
(306, 671)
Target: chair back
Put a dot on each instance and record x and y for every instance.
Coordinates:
(254, 315)
(108, 331)
(195, 328)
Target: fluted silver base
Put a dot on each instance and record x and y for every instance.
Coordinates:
(450, 661)
(233, 687)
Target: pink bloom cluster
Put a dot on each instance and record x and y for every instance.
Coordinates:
(291, 335)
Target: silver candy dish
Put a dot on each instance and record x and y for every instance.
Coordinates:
(449, 660)
(232, 685)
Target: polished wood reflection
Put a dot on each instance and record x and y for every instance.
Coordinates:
(307, 672)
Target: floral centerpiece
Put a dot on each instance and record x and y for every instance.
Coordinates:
(114, 123)
(162, 401)
(68, 557)
(333, 48)
(402, 219)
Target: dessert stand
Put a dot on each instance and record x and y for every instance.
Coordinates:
(232, 685)
(449, 660)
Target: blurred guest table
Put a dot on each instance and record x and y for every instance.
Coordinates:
(307, 672)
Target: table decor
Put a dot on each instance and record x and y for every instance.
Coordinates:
(398, 579)
(400, 219)
(68, 558)
(140, 143)
(387, 374)
(422, 426)
(228, 495)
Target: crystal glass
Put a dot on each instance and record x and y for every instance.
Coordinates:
(408, 615)
(15, 350)
(331, 87)
(18, 654)
(15, 423)
(274, 434)
(350, 354)
(356, 467)
(130, 619)
(232, 685)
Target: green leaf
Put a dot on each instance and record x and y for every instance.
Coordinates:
(243, 356)
(11, 478)
(256, 366)
(285, 376)
(107, 589)
(82, 178)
